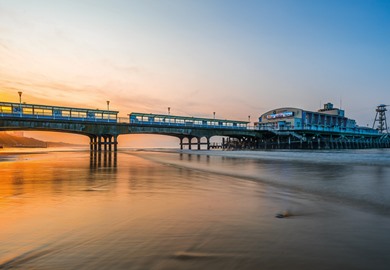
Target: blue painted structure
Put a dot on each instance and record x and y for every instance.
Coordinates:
(185, 121)
(281, 128)
(56, 112)
(104, 126)
(328, 119)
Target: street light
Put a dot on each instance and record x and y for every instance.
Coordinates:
(214, 114)
(20, 96)
(20, 102)
(108, 105)
(169, 110)
(249, 118)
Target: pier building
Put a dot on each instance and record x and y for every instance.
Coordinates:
(328, 118)
(327, 128)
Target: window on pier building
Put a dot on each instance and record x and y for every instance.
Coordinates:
(109, 116)
(65, 113)
(5, 109)
(42, 111)
(78, 114)
(95, 115)
(28, 110)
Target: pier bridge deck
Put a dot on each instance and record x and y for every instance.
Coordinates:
(104, 126)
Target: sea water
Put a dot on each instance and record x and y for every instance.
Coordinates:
(195, 210)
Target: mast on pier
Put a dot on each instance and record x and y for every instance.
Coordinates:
(380, 117)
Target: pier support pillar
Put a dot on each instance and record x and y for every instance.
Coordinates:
(331, 142)
(99, 143)
(115, 143)
(105, 143)
(181, 143)
(94, 139)
(110, 143)
(91, 143)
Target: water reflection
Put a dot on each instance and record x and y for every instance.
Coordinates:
(17, 183)
(88, 211)
(338, 178)
(44, 175)
(109, 158)
(189, 157)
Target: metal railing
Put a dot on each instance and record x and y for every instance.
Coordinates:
(181, 125)
(57, 117)
(356, 130)
(33, 111)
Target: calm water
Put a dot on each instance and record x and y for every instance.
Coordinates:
(156, 210)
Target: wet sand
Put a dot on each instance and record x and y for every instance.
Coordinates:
(153, 210)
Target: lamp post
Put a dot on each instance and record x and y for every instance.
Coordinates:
(249, 118)
(20, 97)
(20, 102)
(169, 110)
(108, 105)
(214, 114)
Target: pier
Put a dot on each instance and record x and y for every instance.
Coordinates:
(286, 128)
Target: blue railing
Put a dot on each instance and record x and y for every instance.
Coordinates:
(52, 117)
(181, 125)
(185, 121)
(357, 130)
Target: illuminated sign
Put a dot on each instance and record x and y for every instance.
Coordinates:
(280, 115)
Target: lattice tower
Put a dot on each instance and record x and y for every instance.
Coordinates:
(380, 117)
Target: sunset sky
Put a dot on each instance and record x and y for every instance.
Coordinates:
(236, 58)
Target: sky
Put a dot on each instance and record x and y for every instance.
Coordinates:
(235, 58)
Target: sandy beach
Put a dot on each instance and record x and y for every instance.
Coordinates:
(192, 210)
